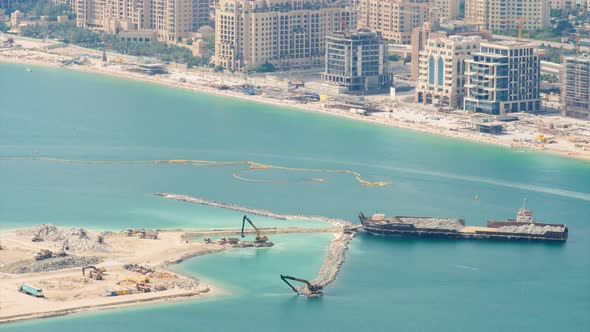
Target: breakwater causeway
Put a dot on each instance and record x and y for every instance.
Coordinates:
(337, 248)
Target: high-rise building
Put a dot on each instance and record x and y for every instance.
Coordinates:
(503, 15)
(395, 19)
(575, 89)
(285, 33)
(563, 4)
(172, 20)
(441, 29)
(503, 78)
(445, 9)
(442, 69)
(357, 61)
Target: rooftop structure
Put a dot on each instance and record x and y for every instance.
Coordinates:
(441, 29)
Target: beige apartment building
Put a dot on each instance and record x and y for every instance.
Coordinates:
(445, 9)
(395, 19)
(286, 33)
(172, 20)
(503, 15)
(442, 69)
(442, 29)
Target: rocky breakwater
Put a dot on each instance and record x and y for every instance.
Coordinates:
(334, 259)
(260, 212)
(335, 254)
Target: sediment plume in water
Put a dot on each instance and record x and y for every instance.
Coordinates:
(251, 166)
(336, 250)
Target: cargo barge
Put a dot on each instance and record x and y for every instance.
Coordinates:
(521, 228)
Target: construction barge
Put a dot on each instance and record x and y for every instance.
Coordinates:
(521, 228)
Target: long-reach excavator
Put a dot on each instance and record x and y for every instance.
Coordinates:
(95, 273)
(308, 289)
(260, 239)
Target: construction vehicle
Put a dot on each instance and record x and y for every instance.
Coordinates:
(100, 238)
(43, 254)
(542, 139)
(37, 238)
(308, 289)
(143, 287)
(95, 273)
(62, 251)
(132, 280)
(259, 238)
(30, 290)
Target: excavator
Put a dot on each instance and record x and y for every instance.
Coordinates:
(311, 291)
(259, 238)
(95, 273)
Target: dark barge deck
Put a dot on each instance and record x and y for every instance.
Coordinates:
(449, 228)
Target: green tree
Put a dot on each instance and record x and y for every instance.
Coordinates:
(564, 27)
(218, 69)
(3, 27)
(394, 57)
(266, 67)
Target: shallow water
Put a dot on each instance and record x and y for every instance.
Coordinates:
(385, 283)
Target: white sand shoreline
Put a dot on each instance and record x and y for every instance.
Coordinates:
(480, 138)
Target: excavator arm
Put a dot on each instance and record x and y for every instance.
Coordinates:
(313, 290)
(88, 267)
(250, 222)
(259, 237)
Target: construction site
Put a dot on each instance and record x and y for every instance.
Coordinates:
(48, 271)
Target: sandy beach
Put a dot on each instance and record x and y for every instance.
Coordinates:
(67, 289)
(520, 135)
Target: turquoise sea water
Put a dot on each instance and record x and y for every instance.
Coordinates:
(385, 284)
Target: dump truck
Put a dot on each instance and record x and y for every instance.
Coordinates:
(43, 254)
(30, 290)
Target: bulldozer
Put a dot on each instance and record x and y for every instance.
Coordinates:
(94, 273)
(308, 289)
(260, 240)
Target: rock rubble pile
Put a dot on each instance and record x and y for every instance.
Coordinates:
(77, 239)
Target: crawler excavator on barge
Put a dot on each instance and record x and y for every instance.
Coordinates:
(260, 240)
